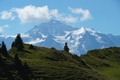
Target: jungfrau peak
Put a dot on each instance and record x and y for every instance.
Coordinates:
(55, 33)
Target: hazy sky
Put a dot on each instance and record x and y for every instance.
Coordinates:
(19, 16)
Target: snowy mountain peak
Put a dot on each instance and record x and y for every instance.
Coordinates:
(55, 33)
(91, 30)
(81, 30)
(53, 27)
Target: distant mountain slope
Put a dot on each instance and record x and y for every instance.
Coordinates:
(106, 61)
(55, 33)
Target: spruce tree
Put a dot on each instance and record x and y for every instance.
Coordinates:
(31, 47)
(0, 49)
(20, 47)
(12, 45)
(18, 43)
(66, 48)
(4, 49)
(17, 61)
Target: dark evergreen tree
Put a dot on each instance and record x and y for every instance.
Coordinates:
(66, 48)
(31, 47)
(0, 49)
(20, 47)
(4, 49)
(12, 45)
(18, 43)
(17, 62)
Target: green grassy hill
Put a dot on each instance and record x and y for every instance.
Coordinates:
(105, 61)
(42, 63)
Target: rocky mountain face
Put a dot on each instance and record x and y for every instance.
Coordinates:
(55, 34)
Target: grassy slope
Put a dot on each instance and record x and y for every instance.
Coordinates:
(51, 64)
(106, 61)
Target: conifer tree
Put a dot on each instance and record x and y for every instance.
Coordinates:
(20, 47)
(0, 49)
(17, 61)
(4, 49)
(66, 48)
(18, 43)
(31, 47)
(12, 45)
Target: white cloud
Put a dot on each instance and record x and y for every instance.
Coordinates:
(70, 19)
(1, 29)
(6, 26)
(85, 13)
(63, 17)
(55, 14)
(33, 14)
(6, 15)
(41, 14)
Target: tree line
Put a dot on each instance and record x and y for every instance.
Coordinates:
(19, 45)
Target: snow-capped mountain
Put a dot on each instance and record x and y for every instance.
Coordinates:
(54, 28)
(55, 33)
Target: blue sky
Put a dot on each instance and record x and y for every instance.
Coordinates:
(19, 16)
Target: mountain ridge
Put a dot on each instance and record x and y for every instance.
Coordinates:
(79, 40)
